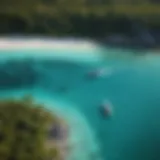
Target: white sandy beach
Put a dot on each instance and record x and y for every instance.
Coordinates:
(10, 43)
(76, 50)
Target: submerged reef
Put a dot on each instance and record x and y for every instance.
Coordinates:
(17, 73)
(28, 72)
(29, 132)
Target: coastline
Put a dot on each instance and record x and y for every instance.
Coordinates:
(60, 49)
(70, 49)
(83, 51)
(72, 44)
(75, 120)
(18, 43)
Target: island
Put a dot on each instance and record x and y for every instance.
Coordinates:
(28, 131)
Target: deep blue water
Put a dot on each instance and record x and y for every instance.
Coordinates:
(133, 88)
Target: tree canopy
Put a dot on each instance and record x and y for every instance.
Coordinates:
(72, 17)
(24, 130)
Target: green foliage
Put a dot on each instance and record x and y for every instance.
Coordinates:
(70, 17)
(23, 130)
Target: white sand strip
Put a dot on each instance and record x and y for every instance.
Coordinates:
(7, 44)
(76, 50)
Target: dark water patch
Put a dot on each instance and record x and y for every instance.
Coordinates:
(54, 75)
(60, 76)
(17, 74)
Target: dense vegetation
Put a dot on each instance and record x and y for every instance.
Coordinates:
(23, 131)
(73, 17)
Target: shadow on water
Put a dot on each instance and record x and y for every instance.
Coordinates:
(131, 133)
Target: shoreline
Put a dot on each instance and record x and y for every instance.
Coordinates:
(14, 43)
(46, 43)
(74, 119)
(72, 49)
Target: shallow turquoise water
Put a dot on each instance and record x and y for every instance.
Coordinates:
(133, 87)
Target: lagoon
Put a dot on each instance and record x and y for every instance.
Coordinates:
(132, 86)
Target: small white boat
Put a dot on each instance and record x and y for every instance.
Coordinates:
(100, 72)
(106, 109)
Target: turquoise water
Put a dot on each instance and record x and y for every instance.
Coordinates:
(133, 88)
